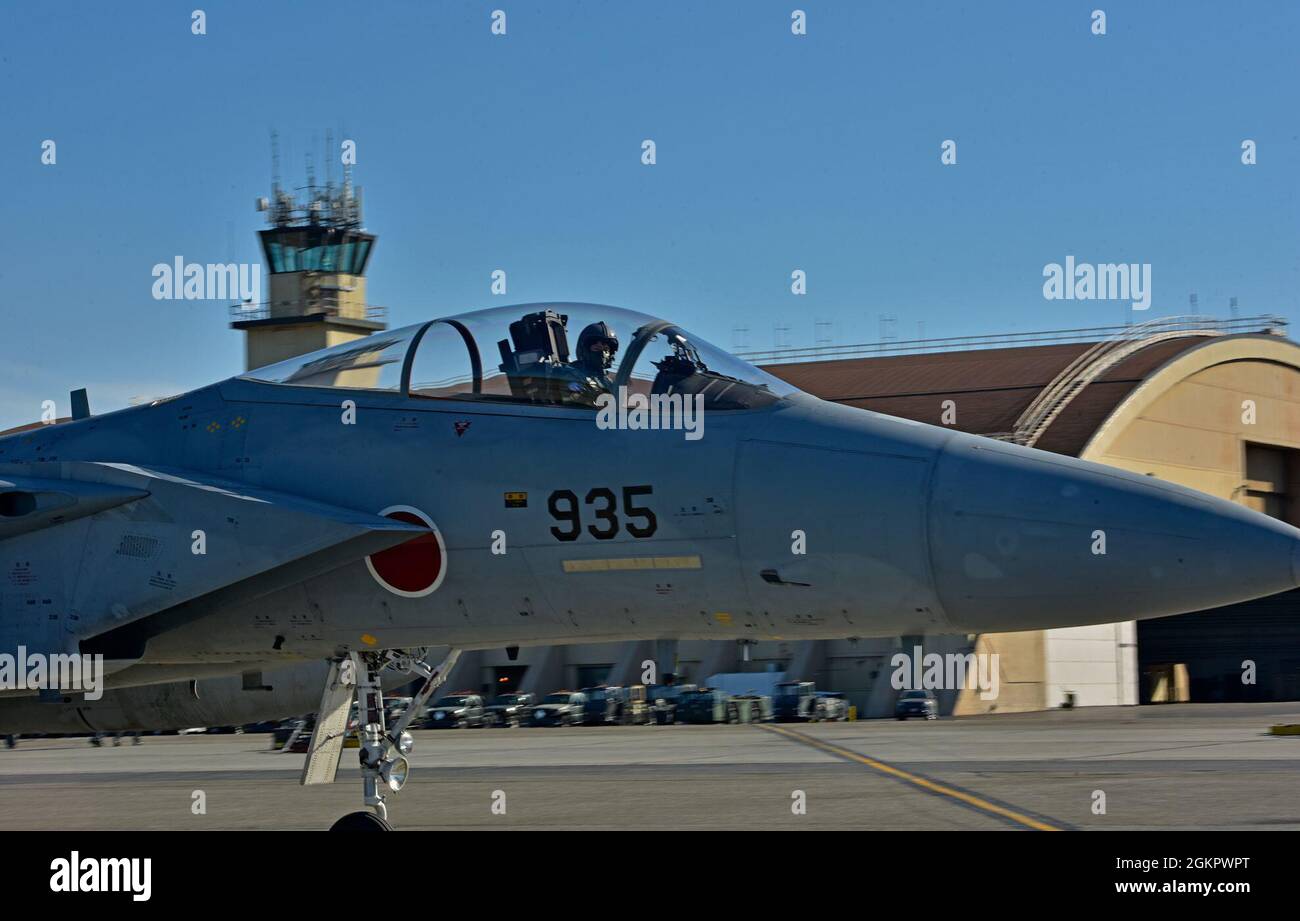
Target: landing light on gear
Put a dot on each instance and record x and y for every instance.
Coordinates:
(394, 772)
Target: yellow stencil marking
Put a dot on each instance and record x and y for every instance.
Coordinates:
(630, 563)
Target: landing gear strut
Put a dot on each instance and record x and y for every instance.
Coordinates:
(384, 768)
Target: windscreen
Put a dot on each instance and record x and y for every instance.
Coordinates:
(370, 363)
(565, 355)
(572, 355)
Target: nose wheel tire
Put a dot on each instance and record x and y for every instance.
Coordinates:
(361, 821)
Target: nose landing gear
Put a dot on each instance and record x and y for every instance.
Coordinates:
(384, 768)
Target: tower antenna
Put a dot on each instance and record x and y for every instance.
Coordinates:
(352, 204)
(275, 163)
(313, 202)
(329, 173)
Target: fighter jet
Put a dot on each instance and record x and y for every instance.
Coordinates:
(473, 482)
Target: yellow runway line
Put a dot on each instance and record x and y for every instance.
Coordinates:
(929, 786)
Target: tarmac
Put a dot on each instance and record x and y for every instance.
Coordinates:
(1189, 766)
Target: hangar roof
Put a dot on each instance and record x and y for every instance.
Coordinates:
(991, 387)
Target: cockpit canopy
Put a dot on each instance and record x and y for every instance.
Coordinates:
(523, 354)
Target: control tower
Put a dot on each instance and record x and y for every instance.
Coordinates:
(316, 256)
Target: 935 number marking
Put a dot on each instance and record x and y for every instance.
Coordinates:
(640, 521)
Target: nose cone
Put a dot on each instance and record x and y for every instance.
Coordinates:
(1024, 539)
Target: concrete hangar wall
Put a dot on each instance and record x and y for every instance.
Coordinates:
(1198, 405)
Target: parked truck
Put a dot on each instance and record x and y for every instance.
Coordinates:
(638, 709)
(706, 705)
(664, 701)
(562, 708)
(801, 702)
(603, 706)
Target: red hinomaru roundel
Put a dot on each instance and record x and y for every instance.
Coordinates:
(413, 569)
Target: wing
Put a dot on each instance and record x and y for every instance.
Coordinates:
(88, 548)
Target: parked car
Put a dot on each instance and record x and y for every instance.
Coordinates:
(457, 711)
(510, 709)
(262, 727)
(563, 708)
(916, 703)
(394, 708)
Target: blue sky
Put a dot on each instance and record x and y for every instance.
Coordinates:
(522, 152)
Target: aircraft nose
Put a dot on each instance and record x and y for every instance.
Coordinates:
(1021, 539)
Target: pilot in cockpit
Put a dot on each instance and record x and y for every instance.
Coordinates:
(538, 366)
(597, 346)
